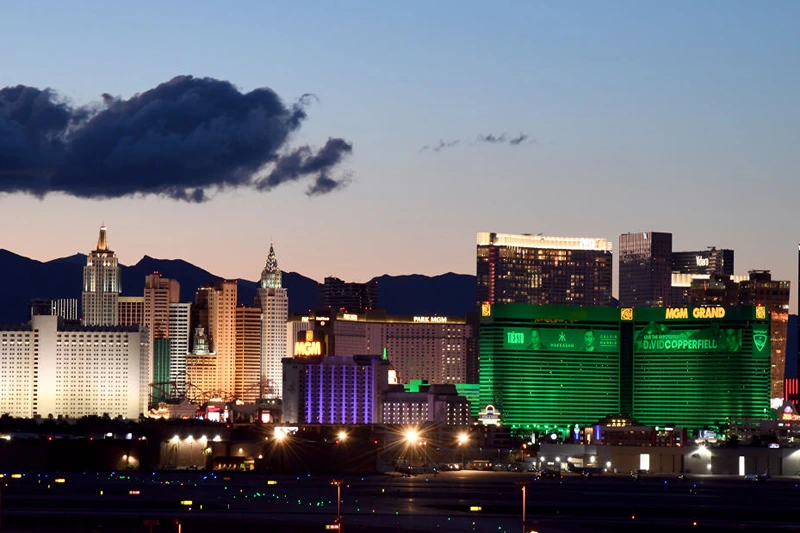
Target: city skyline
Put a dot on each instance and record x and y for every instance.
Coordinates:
(574, 120)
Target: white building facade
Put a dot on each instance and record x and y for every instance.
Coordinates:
(179, 335)
(72, 371)
(274, 302)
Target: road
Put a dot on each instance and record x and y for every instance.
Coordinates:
(451, 501)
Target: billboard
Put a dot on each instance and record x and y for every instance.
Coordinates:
(657, 337)
(561, 339)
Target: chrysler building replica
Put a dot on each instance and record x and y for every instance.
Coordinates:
(101, 285)
(274, 302)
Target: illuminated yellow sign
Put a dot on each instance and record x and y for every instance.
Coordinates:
(309, 343)
(676, 313)
(486, 309)
(626, 313)
(306, 349)
(708, 312)
(761, 312)
(431, 319)
(349, 316)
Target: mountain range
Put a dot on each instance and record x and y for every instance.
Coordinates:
(26, 279)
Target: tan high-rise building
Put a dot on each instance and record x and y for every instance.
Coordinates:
(159, 293)
(216, 312)
(274, 302)
(248, 353)
(761, 289)
(102, 285)
(130, 311)
(201, 370)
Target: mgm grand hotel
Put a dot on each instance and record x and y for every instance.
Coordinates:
(689, 367)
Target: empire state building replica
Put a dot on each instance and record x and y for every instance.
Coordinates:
(274, 302)
(101, 285)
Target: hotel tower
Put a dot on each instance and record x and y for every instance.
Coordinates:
(102, 285)
(274, 302)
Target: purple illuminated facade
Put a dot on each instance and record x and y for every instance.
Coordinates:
(334, 390)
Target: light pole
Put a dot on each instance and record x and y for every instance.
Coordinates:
(524, 484)
(338, 483)
(412, 440)
(462, 443)
(191, 449)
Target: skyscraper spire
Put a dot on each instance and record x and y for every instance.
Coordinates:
(102, 285)
(271, 275)
(102, 240)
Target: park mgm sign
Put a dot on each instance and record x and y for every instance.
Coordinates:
(310, 343)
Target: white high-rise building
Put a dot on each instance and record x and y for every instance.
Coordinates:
(72, 370)
(274, 302)
(179, 320)
(102, 285)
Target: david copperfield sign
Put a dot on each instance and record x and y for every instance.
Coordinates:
(657, 337)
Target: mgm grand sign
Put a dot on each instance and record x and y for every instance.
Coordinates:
(309, 343)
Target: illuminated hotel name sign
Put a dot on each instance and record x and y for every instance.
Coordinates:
(308, 345)
(430, 319)
(676, 313)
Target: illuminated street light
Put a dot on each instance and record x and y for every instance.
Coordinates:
(342, 436)
(412, 437)
(463, 438)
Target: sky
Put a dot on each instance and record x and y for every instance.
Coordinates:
(403, 129)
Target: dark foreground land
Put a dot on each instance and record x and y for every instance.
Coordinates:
(451, 501)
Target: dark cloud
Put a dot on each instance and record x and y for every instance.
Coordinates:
(514, 141)
(489, 138)
(182, 139)
(442, 144)
(304, 162)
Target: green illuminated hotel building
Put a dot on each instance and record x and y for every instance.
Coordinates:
(545, 366)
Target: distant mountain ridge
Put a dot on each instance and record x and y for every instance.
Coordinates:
(446, 294)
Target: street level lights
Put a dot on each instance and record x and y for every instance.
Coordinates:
(524, 484)
(338, 483)
(462, 443)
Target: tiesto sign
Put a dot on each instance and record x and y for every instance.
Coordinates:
(676, 313)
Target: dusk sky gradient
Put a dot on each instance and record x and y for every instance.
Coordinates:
(641, 116)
